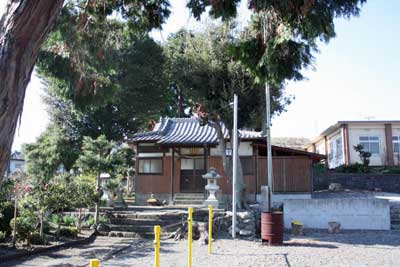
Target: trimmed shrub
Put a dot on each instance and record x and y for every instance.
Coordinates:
(6, 215)
(351, 168)
(391, 170)
(36, 240)
(319, 168)
(70, 231)
(25, 228)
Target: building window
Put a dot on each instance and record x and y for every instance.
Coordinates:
(247, 165)
(150, 166)
(331, 153)
(396, 144)
(370, 144)
(192, 164)
(339, 149)
(18, 166)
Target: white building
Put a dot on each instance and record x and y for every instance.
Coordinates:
(380, 138)
(17, 162)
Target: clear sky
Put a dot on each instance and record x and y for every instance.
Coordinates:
(356, 75)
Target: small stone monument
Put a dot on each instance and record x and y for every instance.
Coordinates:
(120, 202)
(212, 187)
(106, 197)
(333, 227)
(264, 198)
(335, 187)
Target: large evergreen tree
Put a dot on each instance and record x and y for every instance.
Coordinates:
(25, 26)
(203, 76)
(294, 27)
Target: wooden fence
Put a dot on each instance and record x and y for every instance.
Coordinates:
(291, 174)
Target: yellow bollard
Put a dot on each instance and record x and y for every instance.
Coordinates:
(190, 220)
(94, 263)
(157, 231)
(210, 222)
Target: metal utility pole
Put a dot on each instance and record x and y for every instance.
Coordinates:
(268, 129)
(235, 161)
(269, 150)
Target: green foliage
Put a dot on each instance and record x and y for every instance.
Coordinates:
(102, 220)
(71, 232)
(200, 70)
(36, 239)
(102, 156)
(25, 227)
(391, 170)
(2, 236)
(319, 168)
(112, 186)
(6, 206)
(5, 189)
(351, 168)
(364, 156)
(69, 220)
(90, 221)
(51, 150)
(293, 29)
(54, 218)
(106, 80)
(85, 194)
(225, 10)
(7, 213)
(357, 167)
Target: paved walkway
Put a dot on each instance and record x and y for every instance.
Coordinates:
(355, 248)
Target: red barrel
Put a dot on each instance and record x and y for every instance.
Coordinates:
(272, 228)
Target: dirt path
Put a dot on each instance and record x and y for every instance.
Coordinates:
(356, 248)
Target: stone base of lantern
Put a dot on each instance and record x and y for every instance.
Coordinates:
(107, 198)
(213, 202)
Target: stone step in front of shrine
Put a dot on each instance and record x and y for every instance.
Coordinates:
(189, 199)
(141, 224)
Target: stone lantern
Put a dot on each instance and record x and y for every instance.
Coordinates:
(104, 179)
(212, 187)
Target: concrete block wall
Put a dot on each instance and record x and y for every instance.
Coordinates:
(358, 181)
(351, 213)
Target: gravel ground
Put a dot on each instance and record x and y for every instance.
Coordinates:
(350, 248)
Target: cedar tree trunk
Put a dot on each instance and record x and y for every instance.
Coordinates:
(23, 29)
(227, 164)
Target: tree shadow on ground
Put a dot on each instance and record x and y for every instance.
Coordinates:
(354, 237)
(322, 239)
(88, 251)
(309, 245)
(135, 252)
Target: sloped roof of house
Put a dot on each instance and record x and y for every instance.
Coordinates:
(187, 131)
(16, 155)
(290, 142)
(339, 124)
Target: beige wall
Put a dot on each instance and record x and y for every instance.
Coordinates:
(245, 149)
(357, 130)
(337, 157)
(396, 132)
(320, 147)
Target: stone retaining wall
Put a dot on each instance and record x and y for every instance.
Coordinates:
(383, 182)
(351, 213)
